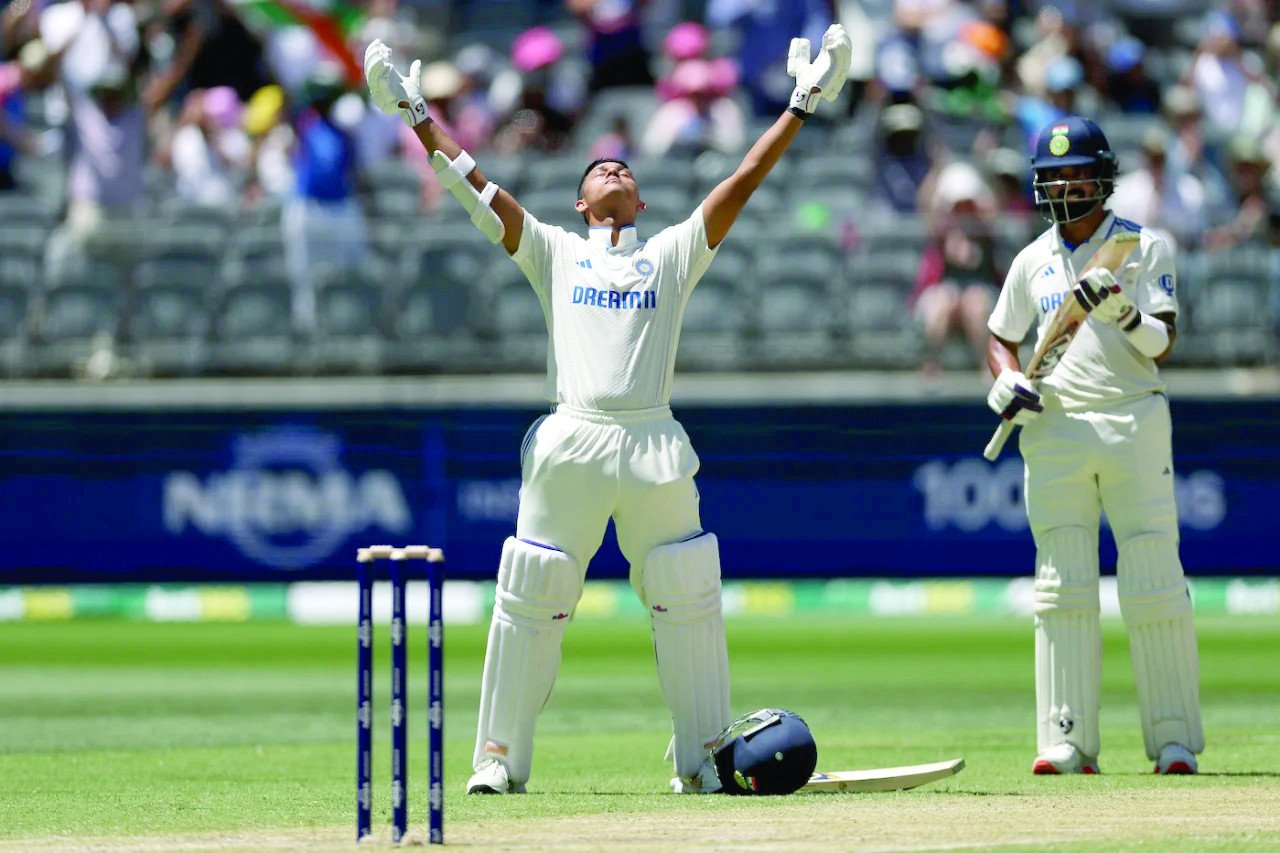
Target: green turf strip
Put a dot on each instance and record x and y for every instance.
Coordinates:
(112, 728)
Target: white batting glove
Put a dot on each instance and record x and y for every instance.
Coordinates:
(1101, 294)
(823, 77)
(1014, 398)
(392, 93)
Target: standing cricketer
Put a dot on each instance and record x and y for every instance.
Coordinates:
(613, 304)
(1096, 437)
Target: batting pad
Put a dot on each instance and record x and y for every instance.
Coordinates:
(1068, 640)
(538, 588)
(682, 594)
(1162, 642)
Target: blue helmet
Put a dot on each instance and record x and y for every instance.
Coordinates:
(770, 751)
(1077, 142)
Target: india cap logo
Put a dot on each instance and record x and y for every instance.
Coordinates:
(644, 266)
(1059, 145)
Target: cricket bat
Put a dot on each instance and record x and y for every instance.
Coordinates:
(1063, 326)
(884, 779)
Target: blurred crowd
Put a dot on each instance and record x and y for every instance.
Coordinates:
(258, 105)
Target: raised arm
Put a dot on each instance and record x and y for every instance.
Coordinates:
(822, 78)
(493, 210)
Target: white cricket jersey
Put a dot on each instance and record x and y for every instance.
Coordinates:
(1100, 365)
(613, 312)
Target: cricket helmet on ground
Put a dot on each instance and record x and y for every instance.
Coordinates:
(1072, 141)
(770, 751)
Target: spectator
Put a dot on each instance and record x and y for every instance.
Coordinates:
(209, 151)
(1007, 175)
(1170, 202)
(1127, 84)
(96, 54)
(765, 29)
(212, 47)
(18, 78)
(958, 280)
(902, 160)
(1063, 84)
(1056, 38)
(969, 89)
(615, 48)
(701, 117)
(323, 222)
(1220, 75)
(537, 122)
(1252, 222)
(614, 144)
(1189, 154)
(270, 169)
(687, 40)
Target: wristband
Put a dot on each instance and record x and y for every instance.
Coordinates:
(799, 100)
(414, 112)
(1149, 335)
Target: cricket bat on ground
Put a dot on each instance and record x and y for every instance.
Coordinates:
(884, 779)
(1063, 326)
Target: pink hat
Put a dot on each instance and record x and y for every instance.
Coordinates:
(222, 104)
(686, 41)
(724, 75)
(715, 77)
(535, 48)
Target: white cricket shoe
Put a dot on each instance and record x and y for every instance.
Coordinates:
(1062, 759)
(705, 781)
(1176, 760)
(491, 778)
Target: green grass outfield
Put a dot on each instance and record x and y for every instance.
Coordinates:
(124, 735)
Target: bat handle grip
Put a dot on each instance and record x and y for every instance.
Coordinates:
(992, 451)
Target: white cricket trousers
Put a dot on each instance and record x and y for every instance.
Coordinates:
(581, 467)
(1118, 459)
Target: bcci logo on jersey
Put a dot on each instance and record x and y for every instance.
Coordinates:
(286, 500)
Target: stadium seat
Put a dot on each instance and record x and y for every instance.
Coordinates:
(900, 267)
(431, 326)
(22, 255)
(519, 327)
(892, 234)
(673, 172)
(102, 273)
(168, 326)
(665, 206)
(719, 317)
(636, 104)
(186, 272)
(27, 211)
(448, 263)
(813, 254)
(253, 328)
(397, 201)
(350, 322)
(1230, 319)
(80, 316)
(254, 245)
(881, 334)
(214, 219)
(14, 300)
(553, 206)
(799, 319)
(854, 171)
(555, 174)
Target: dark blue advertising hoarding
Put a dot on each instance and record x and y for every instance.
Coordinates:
(838, 490)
